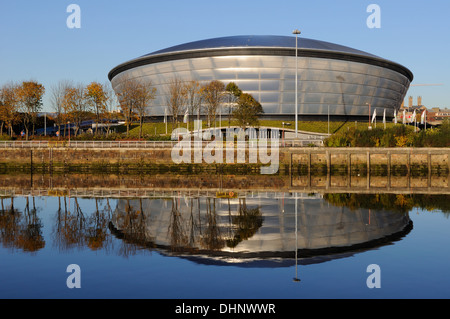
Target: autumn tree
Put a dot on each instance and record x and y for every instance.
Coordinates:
(96, 97)
(212, 95)
(57, 96)
(9, 101)
(247, 111)
(30, 95)
(76, 106)
(176, 99)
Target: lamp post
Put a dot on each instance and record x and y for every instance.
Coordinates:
(370, 126)
(296, 32)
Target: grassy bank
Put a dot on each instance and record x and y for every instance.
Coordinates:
(393, 136)
(152, 130)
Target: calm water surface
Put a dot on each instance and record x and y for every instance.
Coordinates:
(249, 245)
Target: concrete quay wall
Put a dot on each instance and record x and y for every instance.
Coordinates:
(290, 158)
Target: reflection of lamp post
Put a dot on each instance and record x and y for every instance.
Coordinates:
(296, 32)
(296, 279)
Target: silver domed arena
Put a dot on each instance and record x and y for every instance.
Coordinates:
(332, 79)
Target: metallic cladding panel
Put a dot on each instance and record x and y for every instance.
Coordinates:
(346, 86)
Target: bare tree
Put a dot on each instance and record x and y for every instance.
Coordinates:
(111, 106)
(128, 95)
(213, 96)
(146, 93)
(57, 94)
(176, 98)
(194, 98)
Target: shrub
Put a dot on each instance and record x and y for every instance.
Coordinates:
(393, 136)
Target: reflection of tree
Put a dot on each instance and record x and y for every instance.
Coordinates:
(73, 229)
(96, 233)
(192, 225)
(178, 238)
(132, 225)
(30, 237)
(395, 202)
(9, 224)
(21, 230)
(211, 238)
(70, 226)
(247, 223)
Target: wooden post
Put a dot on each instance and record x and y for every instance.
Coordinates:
(429, 168)
(389, 168)
(309, 161)
(328, 155)
(349, 169)
(368, 169)
(408, 161)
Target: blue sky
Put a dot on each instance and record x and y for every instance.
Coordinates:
(37, 44)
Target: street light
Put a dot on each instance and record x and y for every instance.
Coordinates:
(370, 126)
(296, 32)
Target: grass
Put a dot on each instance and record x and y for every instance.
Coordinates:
(159, 129)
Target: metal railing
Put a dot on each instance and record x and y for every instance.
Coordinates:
(134, 144)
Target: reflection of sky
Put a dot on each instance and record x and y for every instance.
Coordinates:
(415, 267)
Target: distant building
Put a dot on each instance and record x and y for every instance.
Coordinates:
(437, 115)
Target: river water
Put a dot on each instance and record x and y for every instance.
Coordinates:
(76, 241)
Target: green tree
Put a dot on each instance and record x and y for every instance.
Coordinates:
(247, 111)
(233, 94)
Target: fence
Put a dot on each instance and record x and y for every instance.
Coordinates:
(135, 144)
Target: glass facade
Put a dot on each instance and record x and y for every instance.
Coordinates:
(346, 88)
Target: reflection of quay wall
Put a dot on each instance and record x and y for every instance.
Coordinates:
(438, 184)
(431, 158)
(320, 225)
(151, 185)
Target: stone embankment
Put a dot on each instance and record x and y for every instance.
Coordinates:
(291, 159)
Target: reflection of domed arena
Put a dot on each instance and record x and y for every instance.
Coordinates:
(331, 77)
(262, 227)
